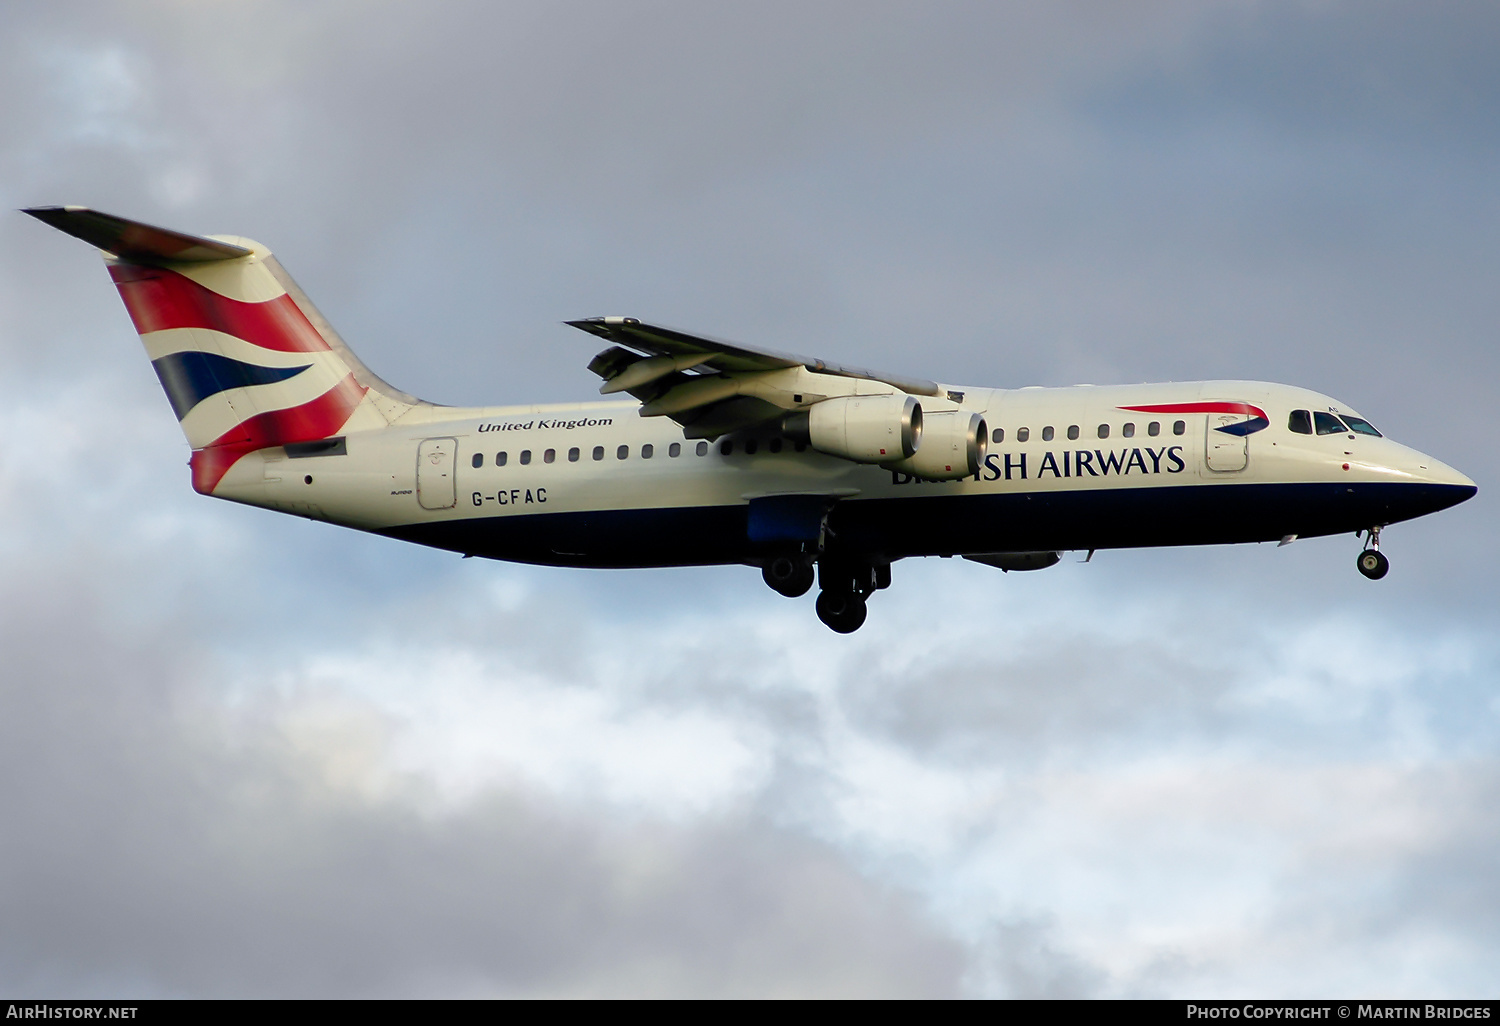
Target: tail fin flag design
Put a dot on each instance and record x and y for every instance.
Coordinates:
(191, 377)
(242, 366)
(246, 362)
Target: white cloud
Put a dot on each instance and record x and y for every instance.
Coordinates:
(101, 92)
(466, 722)
(1167, 858)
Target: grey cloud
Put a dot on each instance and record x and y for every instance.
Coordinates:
(147, 851)
(1446, 884)
(1057, 693)
(1184, 679)
(1019, 960)
(1012, 195)
(1040, 245)
(1387, 77)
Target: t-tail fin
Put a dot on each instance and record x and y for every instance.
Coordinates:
(247, 362)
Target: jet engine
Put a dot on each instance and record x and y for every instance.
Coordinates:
(953, 446)
(862, 428)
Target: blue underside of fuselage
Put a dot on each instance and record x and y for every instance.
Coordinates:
(932, 525)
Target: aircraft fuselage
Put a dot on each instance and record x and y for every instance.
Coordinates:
(596, 485)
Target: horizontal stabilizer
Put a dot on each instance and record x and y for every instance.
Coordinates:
(133, 239)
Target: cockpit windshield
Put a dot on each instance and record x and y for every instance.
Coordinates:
(1327, 423)
(1359, 426)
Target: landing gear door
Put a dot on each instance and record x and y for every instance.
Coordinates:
(1227, 450)
(436, 488)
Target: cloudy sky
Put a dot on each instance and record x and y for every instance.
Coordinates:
(243, 754)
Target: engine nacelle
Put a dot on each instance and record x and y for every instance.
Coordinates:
(953, 446)
(862, 428)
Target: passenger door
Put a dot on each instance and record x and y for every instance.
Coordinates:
(1225, 451)
(436, 488)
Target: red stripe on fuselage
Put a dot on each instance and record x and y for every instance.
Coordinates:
(1245, 408)
(158, 298)
(308, 422)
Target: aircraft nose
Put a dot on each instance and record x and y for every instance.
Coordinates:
(1443, 486)
(1432, 471)
(1416, 485)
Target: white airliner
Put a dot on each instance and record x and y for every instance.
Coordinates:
(727, 454)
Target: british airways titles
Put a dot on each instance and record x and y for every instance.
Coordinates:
(1074, 463)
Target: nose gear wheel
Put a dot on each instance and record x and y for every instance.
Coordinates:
(1372, 563)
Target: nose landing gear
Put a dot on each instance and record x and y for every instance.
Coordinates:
(1372, 563)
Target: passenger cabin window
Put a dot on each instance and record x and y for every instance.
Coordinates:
(1361, 426)
(1179, 427)
(997, 435)
(726, 448)
(1103, 430)
(478, 460)
(1154, 428)
(750, 447)
(1073, 431)
(702, 449)
(774, 445)
(525, 457)
(573, 455)
(500, 458)
(647, 451)
(1128, 431)
(549, 456)
(1023, 434)
(1047, 434)
(674, 450)
(622, 453)
(1327, 423)
(1299, 421)
(598, 453)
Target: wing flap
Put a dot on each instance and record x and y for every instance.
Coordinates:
(722, 418)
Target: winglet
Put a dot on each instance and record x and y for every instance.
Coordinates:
(133, 239)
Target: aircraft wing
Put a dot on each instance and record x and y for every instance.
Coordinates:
(700, 382)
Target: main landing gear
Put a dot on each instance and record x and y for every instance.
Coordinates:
(1372, 563)
(789, 574)
(846, 587)
(842, 611)
(846, 584)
